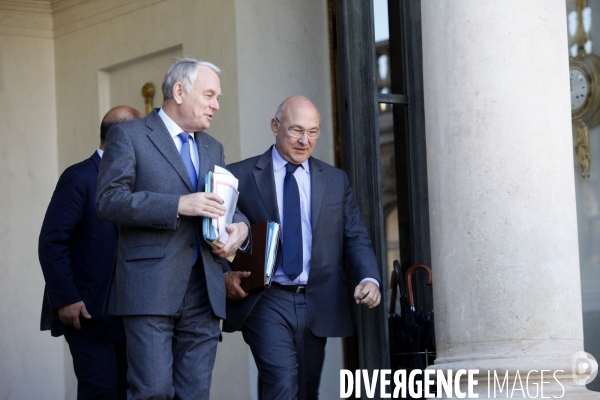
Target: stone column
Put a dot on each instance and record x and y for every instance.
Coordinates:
(502, 200)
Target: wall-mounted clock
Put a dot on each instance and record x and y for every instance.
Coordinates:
(584, 71)
(585, 89)
(581, 89)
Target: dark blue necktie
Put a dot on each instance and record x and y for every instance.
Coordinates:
(292, 224)
(191, 170)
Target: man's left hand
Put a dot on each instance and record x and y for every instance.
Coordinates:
(238, 232)
(367, 293)
(233, 280)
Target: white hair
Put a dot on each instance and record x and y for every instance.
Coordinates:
(184, 70)
(279, 111)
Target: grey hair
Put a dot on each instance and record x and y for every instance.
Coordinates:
(184, 70)
(279, 111)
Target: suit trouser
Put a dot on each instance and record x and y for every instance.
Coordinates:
(99, 358)
(288, 356)
(173, 356)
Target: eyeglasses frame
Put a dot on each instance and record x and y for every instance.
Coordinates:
(294, 131)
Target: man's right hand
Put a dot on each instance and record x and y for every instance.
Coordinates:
(201, 204)
(233, 279)
(69, 315)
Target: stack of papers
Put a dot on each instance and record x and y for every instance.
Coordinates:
(222, 183)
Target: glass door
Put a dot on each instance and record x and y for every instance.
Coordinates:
(377, 64)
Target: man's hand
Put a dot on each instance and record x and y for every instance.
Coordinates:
(69, 315)
(368, 294)
(233, 279)
(238, 232)
(201, 204)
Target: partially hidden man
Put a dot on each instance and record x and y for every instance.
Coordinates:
(287, 325)
(168, 283)
(77, 254)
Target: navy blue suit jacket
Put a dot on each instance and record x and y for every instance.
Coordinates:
(76, 249)
(337, 233)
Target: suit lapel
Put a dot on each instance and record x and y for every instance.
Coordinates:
(318, 181)
(265, 184)
(205, 161)
(159, 135)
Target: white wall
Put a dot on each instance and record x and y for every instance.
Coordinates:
(283, 50)
(109, 41)
(121, 84)
(31, 362)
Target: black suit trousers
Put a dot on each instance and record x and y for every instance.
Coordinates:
(99, 358)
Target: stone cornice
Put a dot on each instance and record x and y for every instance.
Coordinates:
(61, 5)
(39, 6)
(26, 6)
(54, 18)
(27, 18)
(73, 15)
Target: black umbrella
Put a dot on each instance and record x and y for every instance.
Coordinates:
(412, 336)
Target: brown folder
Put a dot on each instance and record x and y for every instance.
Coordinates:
(254, 260)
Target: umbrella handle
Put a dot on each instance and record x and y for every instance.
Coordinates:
(396, 282)
(409, 274)
(400, 278)
(394, 288)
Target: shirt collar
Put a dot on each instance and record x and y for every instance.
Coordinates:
(279, 162)
(172, 127)
(100, 152)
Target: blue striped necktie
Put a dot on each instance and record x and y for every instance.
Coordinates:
(187, 159)
(191, 170)
(292, 224)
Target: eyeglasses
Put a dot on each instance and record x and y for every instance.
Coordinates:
(297, 133)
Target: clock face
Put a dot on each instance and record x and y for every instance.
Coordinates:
(580, 88)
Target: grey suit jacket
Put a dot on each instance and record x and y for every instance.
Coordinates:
(337, 232)
(140, 181)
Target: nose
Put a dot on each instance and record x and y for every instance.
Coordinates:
(215, 105)
(304, 138)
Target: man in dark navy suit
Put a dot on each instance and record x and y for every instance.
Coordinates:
(77, 254)
(287, 325)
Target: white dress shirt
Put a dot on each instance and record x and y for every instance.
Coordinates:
(175, 130)
(100, 152)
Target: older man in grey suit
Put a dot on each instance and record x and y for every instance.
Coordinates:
(287, 325)
(168, 283)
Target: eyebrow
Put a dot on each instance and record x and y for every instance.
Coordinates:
(308, 129)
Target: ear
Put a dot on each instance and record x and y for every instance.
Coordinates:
(274, 126)
(178, 92)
